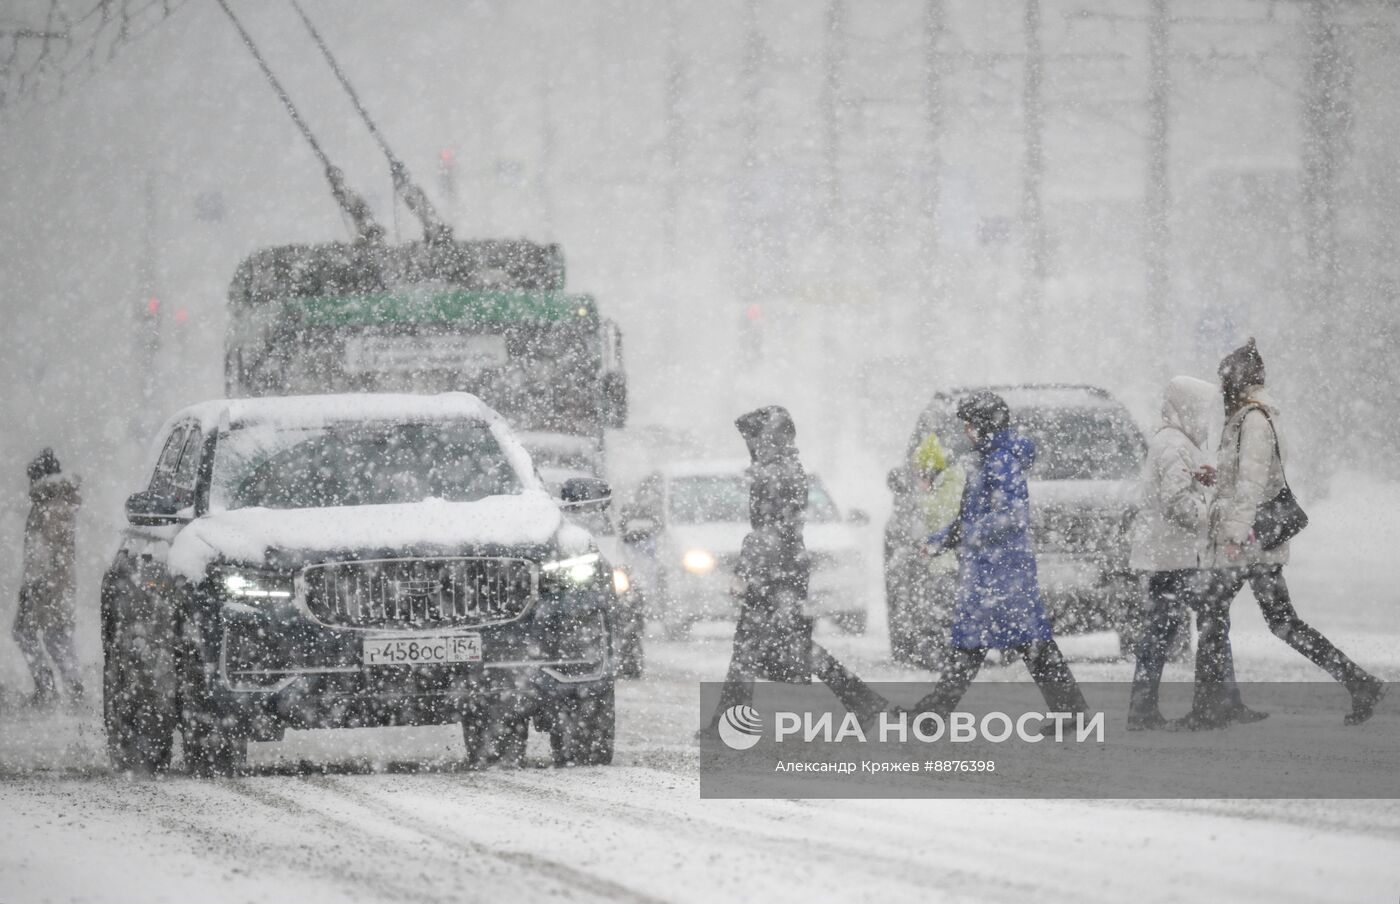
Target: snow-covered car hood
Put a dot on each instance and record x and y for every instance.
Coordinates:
(1098, 495)
(247, 536)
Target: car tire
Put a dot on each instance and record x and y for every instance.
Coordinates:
(139, 702)
(631, 658)
(850, 622)
(897, 611)
(214, 743)
(583, 728)
(495, 735)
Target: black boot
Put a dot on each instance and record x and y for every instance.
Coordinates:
(1243, 715)
(1199, 721)
(1366, 692)
(1149, 721)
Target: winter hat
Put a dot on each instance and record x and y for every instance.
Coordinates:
(1242, 367)
(44, 464)
(767, 430)
(1238, 371)
(930, 457)
(987, 412)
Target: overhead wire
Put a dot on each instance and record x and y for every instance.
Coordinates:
(413, 196)
(354, 206)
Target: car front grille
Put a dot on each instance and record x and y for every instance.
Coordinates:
(419, 593)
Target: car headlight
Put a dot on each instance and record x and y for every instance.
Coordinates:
(698, 561)
(622, 582)
(575, 569)
(251, 585)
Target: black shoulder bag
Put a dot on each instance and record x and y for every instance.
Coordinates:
(1280, 519)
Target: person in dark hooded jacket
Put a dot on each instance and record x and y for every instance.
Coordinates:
(773, 638)
(44, 619)
(998, 604)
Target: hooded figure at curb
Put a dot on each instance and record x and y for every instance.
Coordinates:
(998, 604)
(1169, 543)
(44, 618)
(1252, 457)
(773, 637)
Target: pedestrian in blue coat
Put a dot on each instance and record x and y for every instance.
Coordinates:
(998, 604)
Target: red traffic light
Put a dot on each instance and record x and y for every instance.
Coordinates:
(153, 306)
(182, 315)
(753, 312)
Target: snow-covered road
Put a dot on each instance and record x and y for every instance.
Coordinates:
(385, 814)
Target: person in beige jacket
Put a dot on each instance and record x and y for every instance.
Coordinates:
(44, 619)
(1253, 453)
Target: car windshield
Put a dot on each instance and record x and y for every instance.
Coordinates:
(701, 498)
(359, 464)
(1081, 443)
(1070, 443)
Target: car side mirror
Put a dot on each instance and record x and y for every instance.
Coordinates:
(147, 509)
(898, 481)
(858, 517)
(585, 493)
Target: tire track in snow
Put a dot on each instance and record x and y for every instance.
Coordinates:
(361, 858)
(568, 876)
(877, 852)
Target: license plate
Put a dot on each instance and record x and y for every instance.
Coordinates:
(422, 649)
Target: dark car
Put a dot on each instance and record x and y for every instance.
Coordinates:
(1082, 493)
(349, 561)
(558, 459)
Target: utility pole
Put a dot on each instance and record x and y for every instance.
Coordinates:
(833, 62)
(674, 139)
(1033, 172)
(147, 326)
(1157, 194)
(751, 70)
(933, 163)
(548, 149)
(1326, 126)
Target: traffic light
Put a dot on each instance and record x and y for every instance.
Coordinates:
(447, 172)
(751, 334)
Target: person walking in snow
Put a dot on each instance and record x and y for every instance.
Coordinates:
(1169, 544)
(998, 603)
(1252, 456)
(941, 480)
(44, 618)
(773, 637)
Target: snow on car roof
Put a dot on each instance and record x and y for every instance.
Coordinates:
(312, 411)
(318, 410)
(1037, 396)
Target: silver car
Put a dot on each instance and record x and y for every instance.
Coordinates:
(1082, 491)
(687, 521)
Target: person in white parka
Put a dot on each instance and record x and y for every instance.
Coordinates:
(1252, 456)
(1169, 542)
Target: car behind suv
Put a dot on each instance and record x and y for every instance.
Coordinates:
(1082, 494)
(348, 561)
(687, 520)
